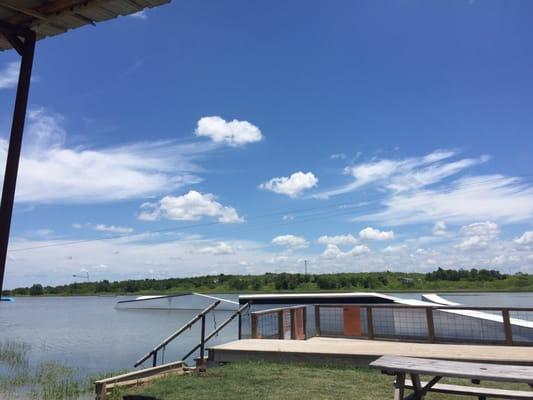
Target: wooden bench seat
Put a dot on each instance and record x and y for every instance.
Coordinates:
(475, 391)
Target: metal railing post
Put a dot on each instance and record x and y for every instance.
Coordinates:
(202, 340)
(240, 325)
(154, 358)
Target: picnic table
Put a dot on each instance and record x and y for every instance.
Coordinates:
(476, 372)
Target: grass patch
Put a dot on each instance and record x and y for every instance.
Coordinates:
(19, 379)
(262, 380)
(14, 354)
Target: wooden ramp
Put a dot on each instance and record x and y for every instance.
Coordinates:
(104, 387)
(362, 352)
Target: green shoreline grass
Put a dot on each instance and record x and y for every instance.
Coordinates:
(290, 381)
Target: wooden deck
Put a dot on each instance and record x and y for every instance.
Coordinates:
(362, 352)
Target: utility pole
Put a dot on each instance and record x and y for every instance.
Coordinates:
(86, 276)
(305, 264)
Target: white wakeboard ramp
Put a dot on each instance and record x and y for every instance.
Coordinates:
(187, 301)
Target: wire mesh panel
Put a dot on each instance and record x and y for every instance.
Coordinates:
(331, 321)
(468, 325)
(279, 323)
(522, 326)
(266, 326)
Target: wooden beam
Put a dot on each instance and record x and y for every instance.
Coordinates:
(507, 327)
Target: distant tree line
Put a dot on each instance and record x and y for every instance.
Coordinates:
(440, 279)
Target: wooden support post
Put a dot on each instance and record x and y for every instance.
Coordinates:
(317, 321)
(280, 325)
(255, 333)
(100, 389)
(399, 386)
(304, 317)
(431, 324)
(418, 394)
(293, 323)
(507, 327)
(26, 49)
(369, 323)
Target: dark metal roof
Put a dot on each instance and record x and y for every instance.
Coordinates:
(54, 17)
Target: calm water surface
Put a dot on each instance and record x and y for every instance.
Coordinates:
(88, 333)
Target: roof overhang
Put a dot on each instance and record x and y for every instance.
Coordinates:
(54, 17)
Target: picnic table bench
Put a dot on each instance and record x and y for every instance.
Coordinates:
(476, 372)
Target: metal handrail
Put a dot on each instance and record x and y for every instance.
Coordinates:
(204, 339)
(153, 352)
(274, 310)
(433, 306)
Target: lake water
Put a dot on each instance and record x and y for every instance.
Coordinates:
(88, 333)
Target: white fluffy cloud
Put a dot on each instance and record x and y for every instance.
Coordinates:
(220, 248)
(111, 228)
(9, 75)
(333, 252)
(233, 133)
(290, 241)
(486, 230)
(293, 185)
(478, 235)
(370, 233)
(526, 240)
(439, 229)
(189, 207)
(473, 243)
(338, 240)
(395, 249)
(52, 172)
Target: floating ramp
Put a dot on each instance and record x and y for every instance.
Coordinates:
(184, 301)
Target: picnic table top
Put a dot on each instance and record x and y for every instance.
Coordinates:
(456, 369)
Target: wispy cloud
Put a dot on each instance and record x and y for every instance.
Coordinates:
(403, 175)
(496, 197)
(9, 75)
(139, 15)
(113, 229)
(52, 172)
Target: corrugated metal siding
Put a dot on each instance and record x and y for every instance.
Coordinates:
(74, 17)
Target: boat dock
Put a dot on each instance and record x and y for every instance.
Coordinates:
(362, 352)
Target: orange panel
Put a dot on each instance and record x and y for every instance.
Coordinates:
(299, 325)
(352, 321)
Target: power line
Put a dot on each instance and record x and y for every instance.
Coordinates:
(347, 208)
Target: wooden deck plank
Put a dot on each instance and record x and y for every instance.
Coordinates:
(365, 350)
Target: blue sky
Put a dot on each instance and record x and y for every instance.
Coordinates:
(244, 137)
